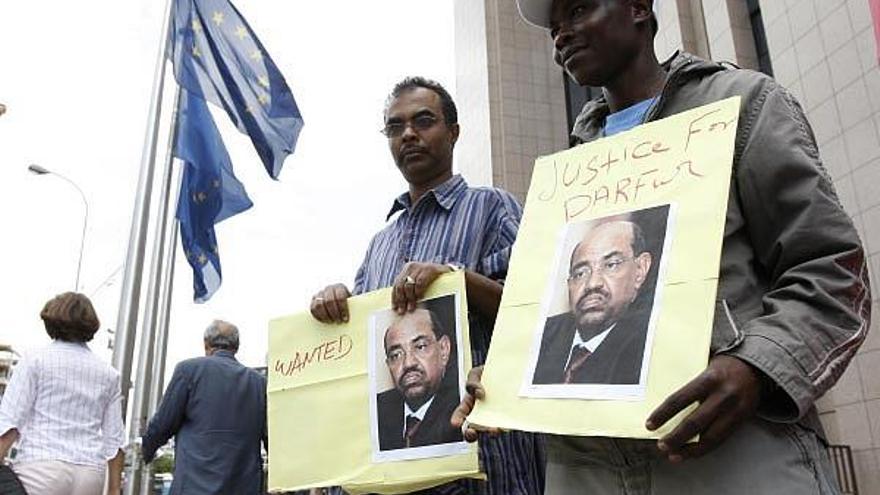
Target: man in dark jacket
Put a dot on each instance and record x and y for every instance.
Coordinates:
(215, 407)
(416, 412)
(793, 302)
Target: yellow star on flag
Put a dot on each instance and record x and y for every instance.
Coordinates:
(196, 26)
(257, 55)
(218, 18)
(196, 51)
(202, 259)
(264, 81)
(263, 98)
(241, 32)
(216, 183)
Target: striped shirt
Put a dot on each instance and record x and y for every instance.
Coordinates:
(66, 405)
(474, 228)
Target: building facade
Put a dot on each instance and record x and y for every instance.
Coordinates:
(517, 105)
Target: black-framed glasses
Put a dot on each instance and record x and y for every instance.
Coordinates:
(609, 267)
(418, 123)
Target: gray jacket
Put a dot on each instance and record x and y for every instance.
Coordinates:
(793, 297)
(215, 407)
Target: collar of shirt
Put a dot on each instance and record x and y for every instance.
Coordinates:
(76, 346)
(628, 118)
(446, 194)
(419, 413)
(224, 353)
(591, 345)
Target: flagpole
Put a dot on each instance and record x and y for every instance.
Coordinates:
(145, 366)
(127, 317)
(161, 342)
(157, 381)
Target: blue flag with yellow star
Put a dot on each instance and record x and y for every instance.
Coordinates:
(209, 192)
(218, 59)
(217, 56)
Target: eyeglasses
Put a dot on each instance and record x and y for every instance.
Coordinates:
(609, 267)
(418, 123)
(421, 349)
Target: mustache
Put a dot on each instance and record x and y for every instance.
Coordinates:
(411, 369)
(412, 148)
(592, 292)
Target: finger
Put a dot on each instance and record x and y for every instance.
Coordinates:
(398, 303)
(692, 425)
(459, 416)
(398, 298)
(716, 433)
(332, 305)
(476, 389)
(695, 390)
(471, 435)
(340, 296)
(488, 430)
(474, 383)
(410, 290)
(317, 308)
(424, 275)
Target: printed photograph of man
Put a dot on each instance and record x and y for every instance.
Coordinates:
(601, 339)
(421, 359)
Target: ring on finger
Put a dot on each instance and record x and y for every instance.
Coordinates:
(409, 280)
(318, 299)
(464, 426)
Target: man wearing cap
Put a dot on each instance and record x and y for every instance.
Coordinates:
(793, 301)
(444, 225)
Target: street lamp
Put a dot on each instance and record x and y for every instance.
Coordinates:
(36, 169)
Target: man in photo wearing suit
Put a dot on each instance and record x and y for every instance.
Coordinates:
(417, 411)
(602, 338)
(216, 409)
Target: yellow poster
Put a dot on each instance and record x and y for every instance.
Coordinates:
(610, 296)
(366, 405)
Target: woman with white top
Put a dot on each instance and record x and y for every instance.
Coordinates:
(64, 406)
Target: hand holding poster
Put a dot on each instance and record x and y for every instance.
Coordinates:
(610, 295)
(367, 404)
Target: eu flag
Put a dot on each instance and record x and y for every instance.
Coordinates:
(217, 58)
(209, 192)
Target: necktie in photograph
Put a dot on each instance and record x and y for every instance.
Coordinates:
(578, 357)
(412, 425)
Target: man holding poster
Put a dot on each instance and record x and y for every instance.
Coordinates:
(444, 225)
(793, 301)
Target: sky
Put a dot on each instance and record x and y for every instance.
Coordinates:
(76, 79)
